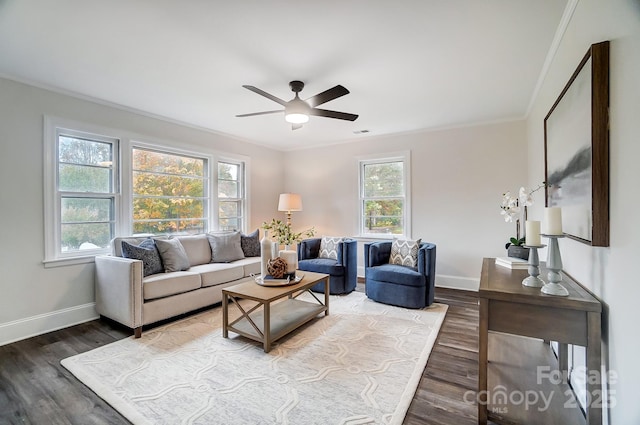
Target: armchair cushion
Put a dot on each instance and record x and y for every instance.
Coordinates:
(329, 247)
(393, 273)
(404, 252)
(322, 265)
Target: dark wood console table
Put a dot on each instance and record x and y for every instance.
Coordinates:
(508, 307)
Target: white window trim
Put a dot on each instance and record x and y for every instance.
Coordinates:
(243, 188)
(53, 255)
(124, 196)
(405, 157)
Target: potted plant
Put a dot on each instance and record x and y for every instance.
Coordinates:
(283, 233)
(515, 209)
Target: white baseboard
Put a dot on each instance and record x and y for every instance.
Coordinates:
(445, 281)
(457, 282)
(37, 325)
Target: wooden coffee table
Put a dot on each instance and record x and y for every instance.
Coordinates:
(277, 311)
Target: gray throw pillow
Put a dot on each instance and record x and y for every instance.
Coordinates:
(404, 252)
(251, 244)
(145, 252)
(225, 247)
(329, 247)
(174, 257)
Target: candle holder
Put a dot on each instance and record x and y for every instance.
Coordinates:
(554, 264)
(533, 281)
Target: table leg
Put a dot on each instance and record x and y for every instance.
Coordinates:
(594, 368)
(267, 326)
(326, 296)
(563, 358)
(225, 316)
(483, 360)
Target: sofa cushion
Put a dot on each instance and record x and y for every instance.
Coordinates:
(396, 274)
(166, 284)
(197, 248)
(404, 252)
(329, 247)
(217, 273)
(225, 247)
(322, 265)
(174, 257)
(251, 265)
(250, 244)
(145, 252)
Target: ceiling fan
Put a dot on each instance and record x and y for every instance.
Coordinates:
(297, 111)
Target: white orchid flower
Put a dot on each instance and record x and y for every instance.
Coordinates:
(526, 200)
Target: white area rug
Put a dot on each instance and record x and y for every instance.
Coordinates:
(359, 365)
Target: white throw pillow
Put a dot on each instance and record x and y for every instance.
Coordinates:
(329, 247)
(404, 252)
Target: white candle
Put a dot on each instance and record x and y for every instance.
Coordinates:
(533, 233)
(553, 221)
(291, 257)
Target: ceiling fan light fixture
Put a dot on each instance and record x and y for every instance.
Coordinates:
(296, 118)
(297, 111)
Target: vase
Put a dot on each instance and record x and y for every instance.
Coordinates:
(515, 251)
(291, 257)
(266, 253)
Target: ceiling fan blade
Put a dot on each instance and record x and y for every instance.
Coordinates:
(327, 95)
(333, 114)
(259, 113)
(295, 126)
(265, 94)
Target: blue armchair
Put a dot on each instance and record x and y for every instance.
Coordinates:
(343, 271)
(399, 285)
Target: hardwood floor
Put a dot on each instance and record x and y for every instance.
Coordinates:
(36, 389)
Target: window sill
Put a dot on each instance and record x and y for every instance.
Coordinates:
(63, 262)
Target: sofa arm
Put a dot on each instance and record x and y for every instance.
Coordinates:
(118, 284)
(376, 253)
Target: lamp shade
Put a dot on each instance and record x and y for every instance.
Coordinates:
(290, 202)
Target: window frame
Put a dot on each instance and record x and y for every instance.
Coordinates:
(405, 158)
(123, 175)
(242, 188)
(54, 196)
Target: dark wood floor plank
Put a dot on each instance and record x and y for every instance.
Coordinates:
(36, 389)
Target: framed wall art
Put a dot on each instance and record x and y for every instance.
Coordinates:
(576, 148)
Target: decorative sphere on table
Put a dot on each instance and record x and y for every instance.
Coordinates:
(277, 267)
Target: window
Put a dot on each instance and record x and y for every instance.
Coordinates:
(99, 183)
(230, 195)
(170, 192)
(384, 205)
(86, 187)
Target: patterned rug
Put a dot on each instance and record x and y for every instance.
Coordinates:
(359, 365)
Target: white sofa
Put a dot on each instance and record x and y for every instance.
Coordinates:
(123, 294)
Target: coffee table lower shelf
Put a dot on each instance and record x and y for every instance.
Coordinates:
(285, 317)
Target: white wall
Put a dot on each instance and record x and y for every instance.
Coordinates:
(458, 178)
(608, 272)
(34, 299)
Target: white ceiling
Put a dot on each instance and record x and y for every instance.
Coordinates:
(410, 65)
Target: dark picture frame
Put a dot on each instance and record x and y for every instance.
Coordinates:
(576, 150)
